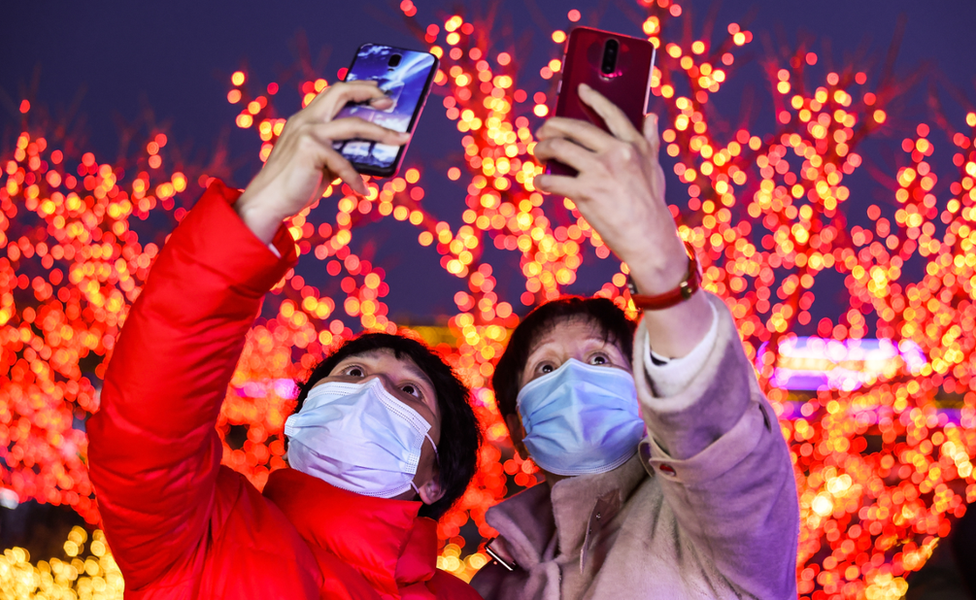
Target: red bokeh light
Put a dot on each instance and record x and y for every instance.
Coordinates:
(880, 470)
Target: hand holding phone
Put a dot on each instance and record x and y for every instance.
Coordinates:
(304, 162)
(405, 77)
(602, 154)
(617, 66)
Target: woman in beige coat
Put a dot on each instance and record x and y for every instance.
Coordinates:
(667, 474)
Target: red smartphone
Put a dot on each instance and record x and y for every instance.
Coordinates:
(617, 66)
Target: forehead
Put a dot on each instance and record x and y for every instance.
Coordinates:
(571, 331)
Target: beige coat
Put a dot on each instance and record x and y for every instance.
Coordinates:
(707, 508)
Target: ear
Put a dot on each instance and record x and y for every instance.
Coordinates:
(517, 432)
(432, 491)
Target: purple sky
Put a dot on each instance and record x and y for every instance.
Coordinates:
(177, 56)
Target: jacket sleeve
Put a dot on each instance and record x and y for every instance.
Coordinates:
(717, 450)
(154, 452)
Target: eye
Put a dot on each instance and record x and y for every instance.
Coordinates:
(599, 359)
(354, 371)
(544, 368)
(412, 389)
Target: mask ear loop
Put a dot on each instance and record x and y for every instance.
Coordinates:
(437, 459)
(437, 456)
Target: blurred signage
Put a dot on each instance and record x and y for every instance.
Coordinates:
(811, 363)
(262, 388)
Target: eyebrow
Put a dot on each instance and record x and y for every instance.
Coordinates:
(538, 345)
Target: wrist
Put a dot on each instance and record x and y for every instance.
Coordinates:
(659, 267)
(662, 294)
(260, 218)
(654, 282)
(653, 279)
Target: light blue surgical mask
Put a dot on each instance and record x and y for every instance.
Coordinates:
(358, 437)
(581, 419)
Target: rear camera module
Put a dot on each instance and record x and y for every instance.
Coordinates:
(610, 50)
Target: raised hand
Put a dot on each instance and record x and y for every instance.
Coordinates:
(620, 191)
(303, 162)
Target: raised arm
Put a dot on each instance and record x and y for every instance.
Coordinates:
(153, 451)
(717, 451)
(713, 442)
(620, 192)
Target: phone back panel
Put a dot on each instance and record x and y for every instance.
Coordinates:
(627, 87)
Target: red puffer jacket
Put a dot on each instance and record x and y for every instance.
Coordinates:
(180, 524)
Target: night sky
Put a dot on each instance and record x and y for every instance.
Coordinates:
(118, 62)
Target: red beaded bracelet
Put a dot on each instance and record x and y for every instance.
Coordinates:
(676, 296)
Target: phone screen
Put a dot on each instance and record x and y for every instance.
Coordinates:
(405, 76)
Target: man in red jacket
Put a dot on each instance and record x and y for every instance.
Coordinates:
(382, 422)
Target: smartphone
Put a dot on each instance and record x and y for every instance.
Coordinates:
(617, 66)
(405, 76)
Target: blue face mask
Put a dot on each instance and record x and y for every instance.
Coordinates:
(358, 437)
(581, 419)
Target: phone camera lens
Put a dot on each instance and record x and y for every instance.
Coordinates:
(610, 57)
(395, 60)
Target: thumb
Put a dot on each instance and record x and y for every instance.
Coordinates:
(651, 133)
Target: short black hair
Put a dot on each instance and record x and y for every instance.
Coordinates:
(457, 451)
(612, 321)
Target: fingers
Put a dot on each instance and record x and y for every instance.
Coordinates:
(356, 128)
(325, 106)
(651, 134)
(337, 165)
(618, 123)
(583, 133)
(381, 103)
(559, 185)
(330, 162)
(565, 152)
(587, 134)
(333, 162)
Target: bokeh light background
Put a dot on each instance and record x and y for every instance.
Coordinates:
(801, 171)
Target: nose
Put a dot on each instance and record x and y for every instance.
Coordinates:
(384, 380)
